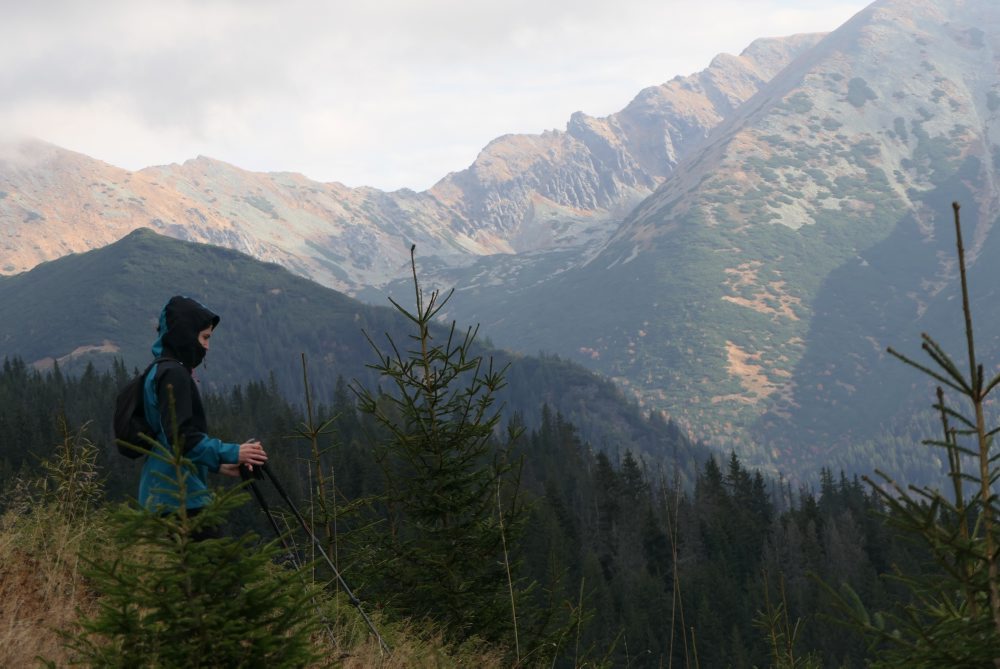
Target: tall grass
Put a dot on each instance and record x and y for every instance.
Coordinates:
(51, 525)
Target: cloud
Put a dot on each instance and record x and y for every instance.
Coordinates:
(389, 93)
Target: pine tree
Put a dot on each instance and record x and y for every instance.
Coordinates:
(170, 600)
(953, 618)
(450, 488)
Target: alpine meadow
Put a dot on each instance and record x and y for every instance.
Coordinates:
(705, 382)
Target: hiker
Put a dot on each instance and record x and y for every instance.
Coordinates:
(184, 330)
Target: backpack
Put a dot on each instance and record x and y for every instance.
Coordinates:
(130, 415)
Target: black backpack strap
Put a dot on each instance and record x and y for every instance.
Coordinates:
(156, 362)
(159, 360)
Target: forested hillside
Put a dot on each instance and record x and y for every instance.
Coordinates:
(103, 305)
(636, 568)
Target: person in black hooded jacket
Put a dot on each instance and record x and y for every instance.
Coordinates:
(185, 329)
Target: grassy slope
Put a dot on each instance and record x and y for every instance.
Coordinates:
(43, 590)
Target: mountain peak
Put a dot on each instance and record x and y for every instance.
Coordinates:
(862, 139)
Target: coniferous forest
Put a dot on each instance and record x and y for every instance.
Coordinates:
(618, 563)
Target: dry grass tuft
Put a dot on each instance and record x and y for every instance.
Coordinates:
(41, 587)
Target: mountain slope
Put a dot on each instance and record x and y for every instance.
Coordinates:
(762, 281)
(103, 304)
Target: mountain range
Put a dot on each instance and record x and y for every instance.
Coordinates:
(735, 248)
(524, 193)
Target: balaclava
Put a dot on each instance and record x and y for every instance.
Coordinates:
(180, 322)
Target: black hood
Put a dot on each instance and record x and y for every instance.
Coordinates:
(180, 322)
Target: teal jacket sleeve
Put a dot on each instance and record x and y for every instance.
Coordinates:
(211, 452)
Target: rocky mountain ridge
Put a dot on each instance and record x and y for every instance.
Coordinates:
(523, 193)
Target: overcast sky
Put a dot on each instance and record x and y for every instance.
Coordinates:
(386, 93)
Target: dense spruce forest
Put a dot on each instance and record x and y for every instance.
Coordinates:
(618, 561)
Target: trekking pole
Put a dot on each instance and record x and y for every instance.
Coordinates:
(247, 476)
(292, 553)
(336, 572)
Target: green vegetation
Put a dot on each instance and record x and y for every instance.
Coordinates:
(899, 127)
(167, 598)
(261, 203)
(799, 103)
(858, 92)
(58, 554)
(626, 538)
(689, 272)
(934, 157)
(831, 124)
(864, 305)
